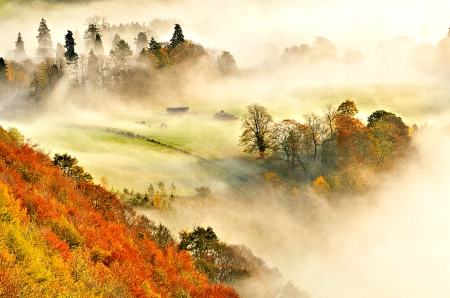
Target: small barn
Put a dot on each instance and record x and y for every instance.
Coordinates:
(225, 116)
(177, 110)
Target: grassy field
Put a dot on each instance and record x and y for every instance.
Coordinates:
(135, 163)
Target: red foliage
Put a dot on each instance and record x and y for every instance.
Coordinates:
(115, 241)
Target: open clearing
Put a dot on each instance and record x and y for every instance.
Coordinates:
(135, 163)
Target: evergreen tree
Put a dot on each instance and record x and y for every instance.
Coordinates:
(60, 51)
(44, 40)
(90, 36)
(177, 37)
(19, 52)
(93, 70)
(153, 45)
(98, 45)
(115, 40)
(141, 41)
(3, 71)
(121, 54)
(70, 54)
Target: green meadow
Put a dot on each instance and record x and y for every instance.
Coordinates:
(134, 163)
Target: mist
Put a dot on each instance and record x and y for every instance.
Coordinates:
(391, 242)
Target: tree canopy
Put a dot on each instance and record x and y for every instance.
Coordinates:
(256, 124)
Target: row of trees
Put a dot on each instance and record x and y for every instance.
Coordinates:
(335, 140)
(152, 66)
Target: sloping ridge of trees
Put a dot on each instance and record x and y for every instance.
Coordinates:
(60, 237)
(155, 141)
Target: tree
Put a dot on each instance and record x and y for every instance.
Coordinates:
(348, 108)
(226, 63)
(257, 127)
(199, 242)
(44, 40)
(352, 141)
(98, 45)
(121, 54)
(141, 41)
(19, 52)
(377, 115)
(177, 37)
(153, 45)
(60, 51)
(316, 131)
(3, 71)
(388, 135)
(93, 70)
(68, 164)
(115, 40)
(71, 56)
(90, 36)
(290, 141)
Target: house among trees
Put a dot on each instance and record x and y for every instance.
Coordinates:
(225, 116)
(175, 110)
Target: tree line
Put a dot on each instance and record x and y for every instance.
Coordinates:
(151, 66)
(336, 141)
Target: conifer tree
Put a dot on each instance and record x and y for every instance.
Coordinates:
(93, 70)
(177, 37)
(60, 51)
(44, 40)
(141, 41)
(98, 45)
(3, 71)
(153, 45)
(90, 36)
(115, 40)
(121, 54)
(19, 52)
(70, 54)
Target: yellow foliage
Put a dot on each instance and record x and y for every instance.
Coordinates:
(321, 186)
(157, 201)
(272, 179)
(9, 207)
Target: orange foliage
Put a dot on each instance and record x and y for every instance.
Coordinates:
(115, 247)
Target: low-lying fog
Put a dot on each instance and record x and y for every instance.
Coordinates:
(394, 242)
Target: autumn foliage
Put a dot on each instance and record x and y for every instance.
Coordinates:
(65, 238)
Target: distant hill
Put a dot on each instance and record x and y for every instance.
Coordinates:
(62, 238)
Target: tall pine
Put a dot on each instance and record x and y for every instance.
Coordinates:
(19, 52)
(44, 40)
(98, 45)
(177, 37)
(70, 54)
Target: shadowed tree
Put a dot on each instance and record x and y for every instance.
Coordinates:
(44, 41)
(3, 71)
(98, 45)
(177, 37)
(348, 108)
(226, 63)
(70, 54)
(121, 54)
(141, 41)
(153, 45)
(256, 135)
(19, 52)
(93, 70)
(89, 37)
(291, 143)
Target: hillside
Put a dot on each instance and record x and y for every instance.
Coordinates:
(62, 238)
